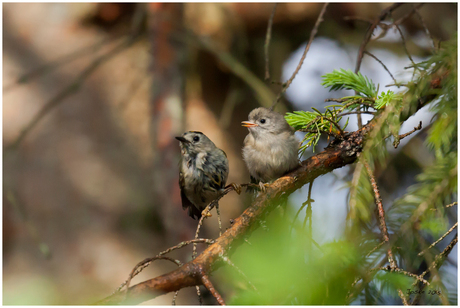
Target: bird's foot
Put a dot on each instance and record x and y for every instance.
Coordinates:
(206, 213)
(263, 186)
(236, 187)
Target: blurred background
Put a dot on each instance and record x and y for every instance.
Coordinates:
(93, 95)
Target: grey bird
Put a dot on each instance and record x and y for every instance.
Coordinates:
(270, 149)
(203, 172)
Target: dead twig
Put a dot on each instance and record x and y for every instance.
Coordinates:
(381, 214)
(268, 37)
(440, 239)
(381, 63)
(304, 55)
(417, 12)
(240, 272)
(434, 265)
(145, 263)
(207, 283)
(367, 38)
(398, 138)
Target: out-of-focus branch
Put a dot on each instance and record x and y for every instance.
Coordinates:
(367, 38)
(304, 55)
(440, 239)
(53, 65)
(73, 87)
(383, 225)
(370, 31)
(268, 37)
(207, 283)
(435, 265)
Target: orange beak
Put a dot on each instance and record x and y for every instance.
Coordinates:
(248, 124)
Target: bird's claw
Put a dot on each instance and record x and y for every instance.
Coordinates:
(263, 186)
(236, 187)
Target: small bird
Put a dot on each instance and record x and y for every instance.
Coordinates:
(270, 149)
(203, 172)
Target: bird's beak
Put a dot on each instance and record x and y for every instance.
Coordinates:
(182, 139)
(248, 124)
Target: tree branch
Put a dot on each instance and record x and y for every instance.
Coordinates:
(338, 153)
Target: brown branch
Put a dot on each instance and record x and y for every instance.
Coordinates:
(143, 264)
(424, 26)
(398, 138)
(370, 31)
(207, 283)
(405, 46)
(304, 55)
(337, 154)
(381, 214)
(267, 42)
(405, 17)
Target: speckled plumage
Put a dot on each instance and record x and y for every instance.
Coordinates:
(270, 149)
(203, 172)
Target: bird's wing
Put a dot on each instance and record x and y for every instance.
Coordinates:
(186, 203)
(217, 173)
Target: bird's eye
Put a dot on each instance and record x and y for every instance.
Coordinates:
(196, 138)
(262, 121)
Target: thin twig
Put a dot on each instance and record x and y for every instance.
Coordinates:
(405, 46)
(440, 239)
(369, 32)
(452, 204)
(367, 38)
(441, 256)
(207, 283)
(398, 270)
(356, 112)
(398, 138)
(375, 248)
(381, 63)
(434, 266)
(304, 55)
(185, 243)
(219, 221)
(211, 205)
(409, 14)
(198, 293)
(239, 271)
(143, 264)
(381, 213)
(424, 25)
(173, 303)
(178, 246)
(268, 37)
